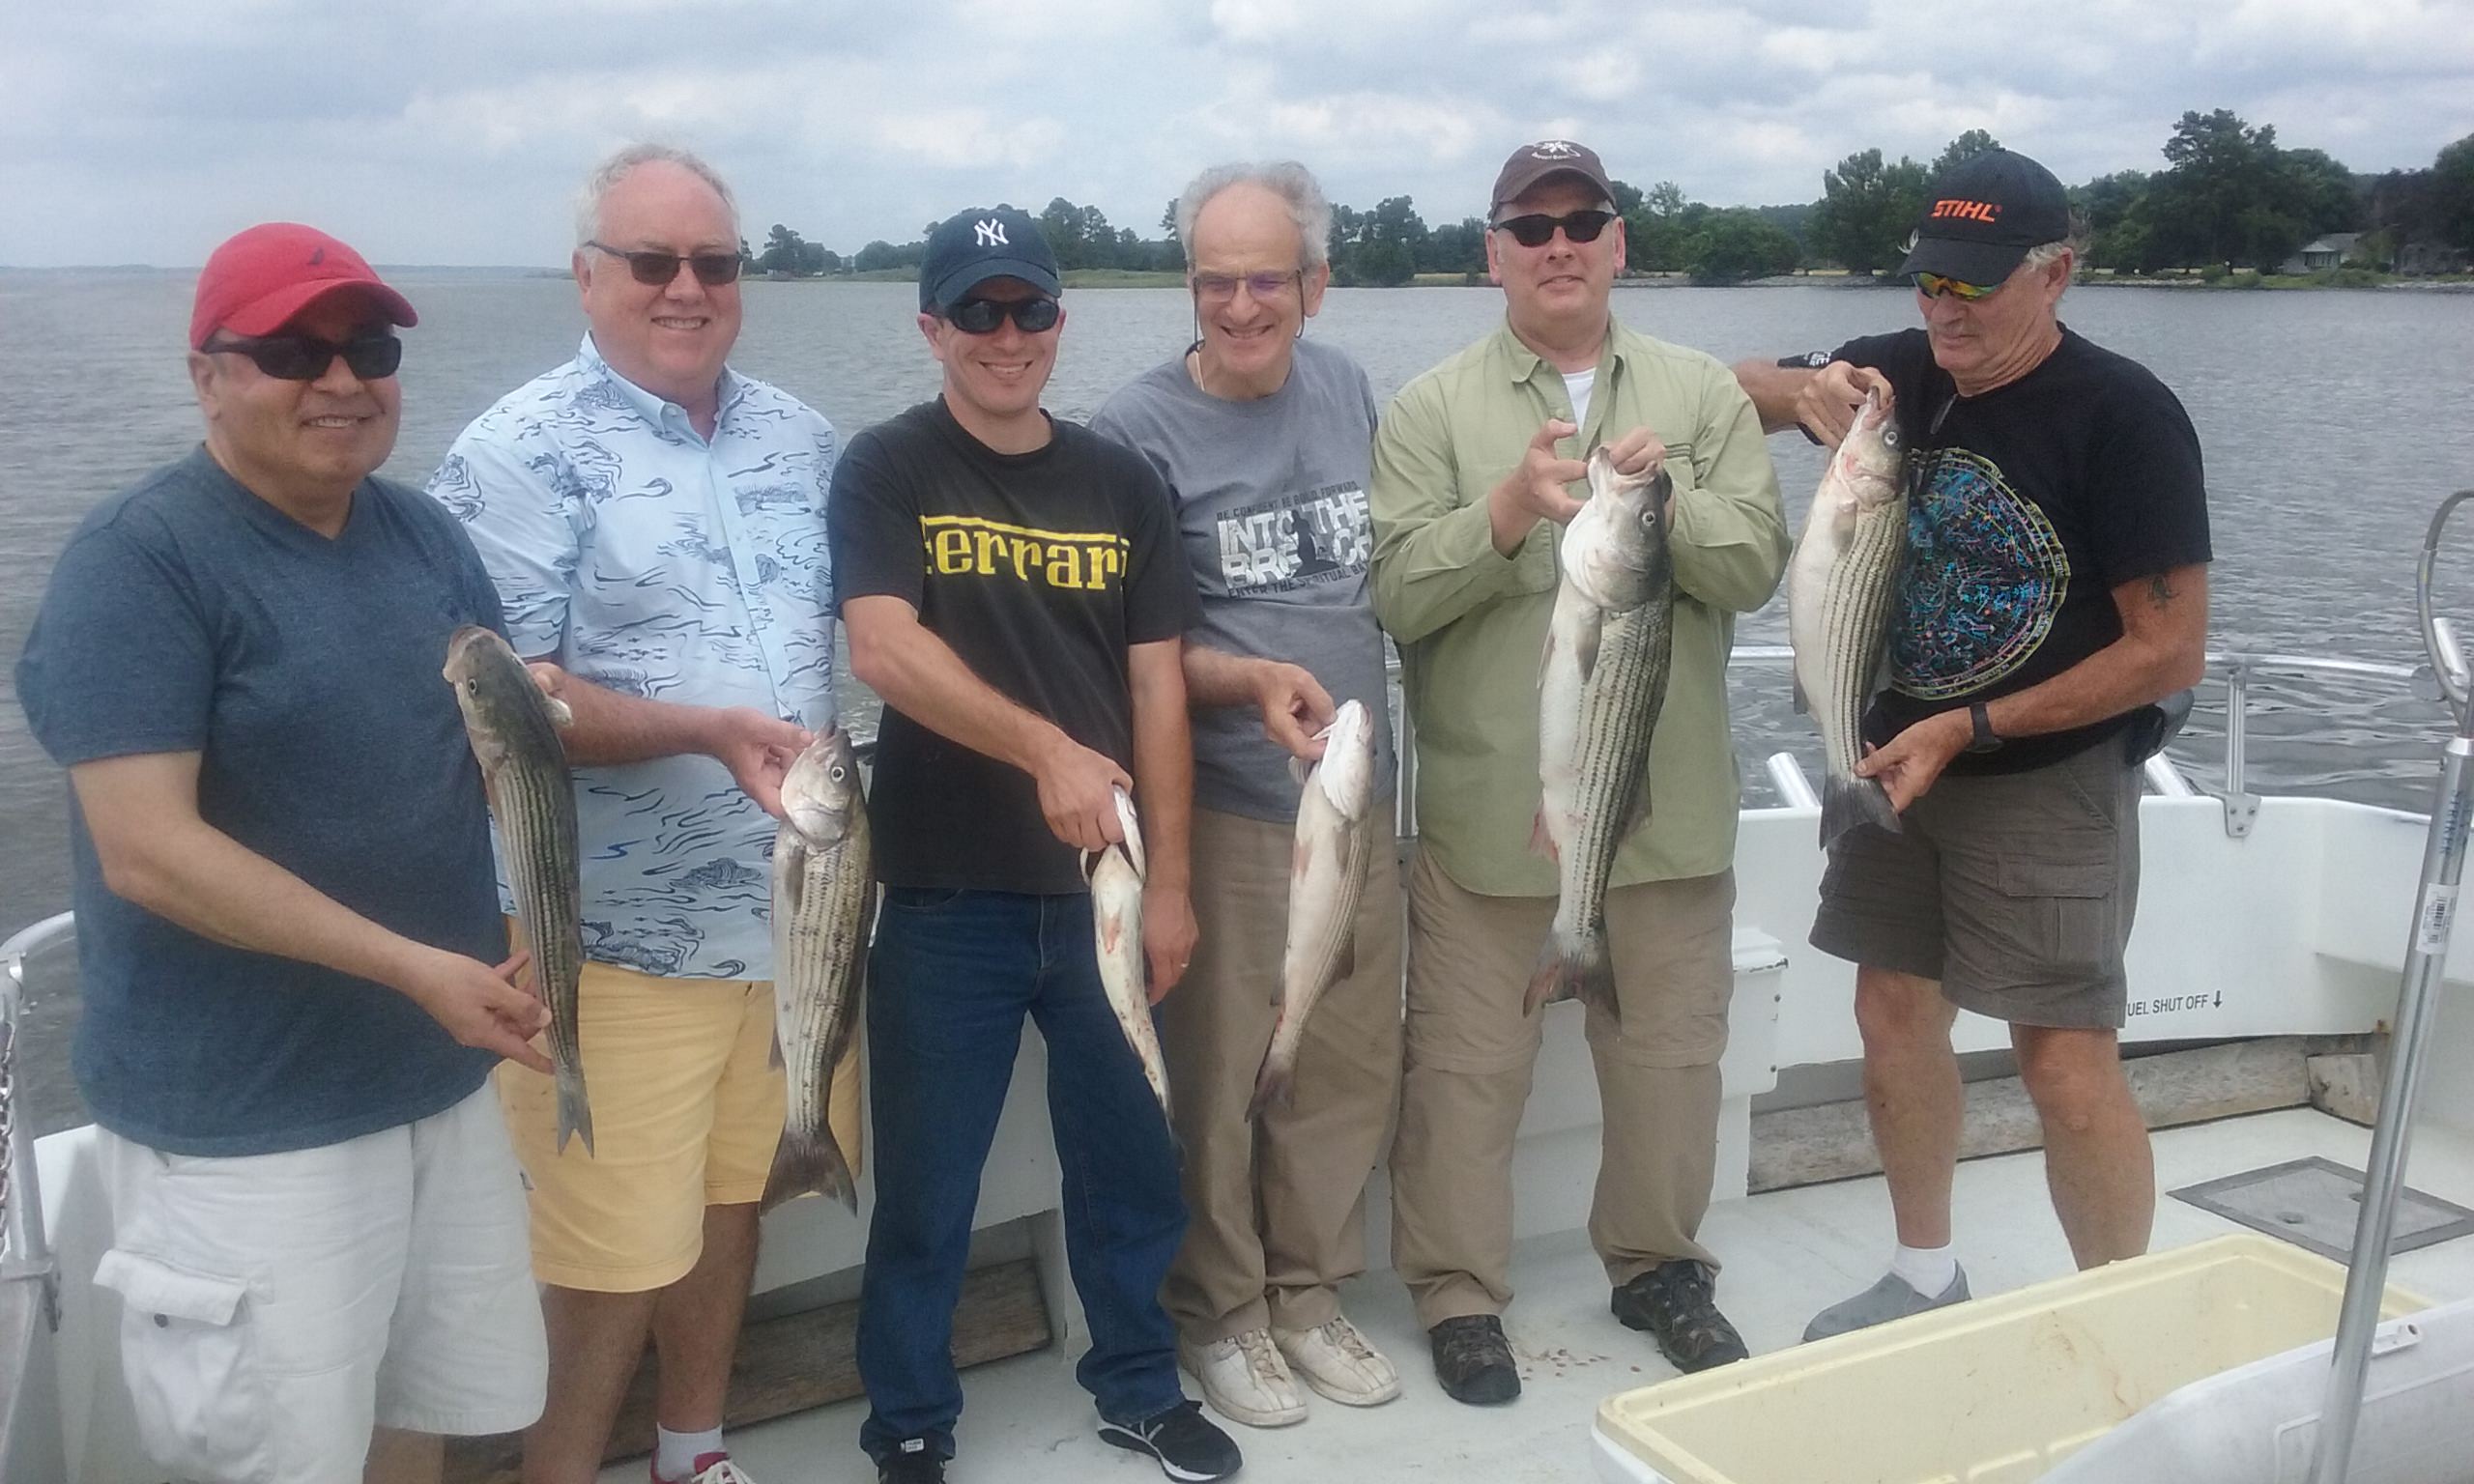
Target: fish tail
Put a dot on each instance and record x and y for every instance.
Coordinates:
(1275, 1087)
(1574, 968)
(805, 1162)
(1848, 802)
(575, 1113)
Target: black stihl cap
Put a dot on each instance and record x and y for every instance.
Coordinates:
(1980, 218)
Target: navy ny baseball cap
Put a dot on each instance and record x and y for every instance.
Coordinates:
(973, 246)
(1980, 218)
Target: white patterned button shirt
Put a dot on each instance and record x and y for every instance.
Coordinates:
(643, 558)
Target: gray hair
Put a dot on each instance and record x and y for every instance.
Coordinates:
(607, 175)
(2073, 241)
(1287, 179)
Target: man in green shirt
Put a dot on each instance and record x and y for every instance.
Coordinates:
(1474, 470)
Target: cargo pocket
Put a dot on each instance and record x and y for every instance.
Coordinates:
(184, 1346)
(2065, 913)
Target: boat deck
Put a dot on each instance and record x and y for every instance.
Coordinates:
(1788, 1253)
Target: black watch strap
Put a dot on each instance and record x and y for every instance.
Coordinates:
(1983, 739)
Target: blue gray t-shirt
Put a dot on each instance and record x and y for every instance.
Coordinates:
(190, 615)
(1271, 502)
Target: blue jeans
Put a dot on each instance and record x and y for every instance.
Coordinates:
(950, 979)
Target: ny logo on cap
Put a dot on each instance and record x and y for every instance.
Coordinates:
(1554, 149)
(990, 233)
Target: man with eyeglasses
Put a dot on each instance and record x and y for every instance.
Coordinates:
(1264, 440)
(1473, 473)
(285, 926)
(1013, 591)
(655, 523)
(2056, 592)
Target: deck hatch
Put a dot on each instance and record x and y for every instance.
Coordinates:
(2312, 1203)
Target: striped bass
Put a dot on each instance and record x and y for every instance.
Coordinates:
(1336, 839)
(824, 886)
(1116, 923)
(514, 733)
(1840, 587)
(1598, 694)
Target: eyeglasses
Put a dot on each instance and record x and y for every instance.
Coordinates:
(982, 316)
(659, 268)
(1935, 286)
(298, 357)
(1535, 230)
(1221, 288)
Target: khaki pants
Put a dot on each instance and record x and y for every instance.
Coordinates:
(1277, 1206)
(1470, 1054)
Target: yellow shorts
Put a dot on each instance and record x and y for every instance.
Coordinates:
(686, 1110)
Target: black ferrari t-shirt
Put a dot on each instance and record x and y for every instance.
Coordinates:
(2027, 506)
(1037, 569)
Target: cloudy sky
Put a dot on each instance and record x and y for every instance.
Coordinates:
(452, 131)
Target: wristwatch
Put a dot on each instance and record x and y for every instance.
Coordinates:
(1983, 740)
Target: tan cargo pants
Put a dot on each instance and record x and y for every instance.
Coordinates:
(1277, 1206)
(1471, 1052)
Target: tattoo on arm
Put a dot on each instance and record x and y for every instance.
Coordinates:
(2160, 592)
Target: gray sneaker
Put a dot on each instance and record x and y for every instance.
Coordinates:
(1889, 1298)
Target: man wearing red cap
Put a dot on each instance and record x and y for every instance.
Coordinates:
(285, 917)
(1474, 469)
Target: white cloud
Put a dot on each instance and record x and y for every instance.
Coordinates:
(453, 130)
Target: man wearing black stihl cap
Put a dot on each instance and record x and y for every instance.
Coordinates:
(2056, 590)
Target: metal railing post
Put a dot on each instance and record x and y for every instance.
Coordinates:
(26, 1250)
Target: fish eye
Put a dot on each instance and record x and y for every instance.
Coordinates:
(840, 773)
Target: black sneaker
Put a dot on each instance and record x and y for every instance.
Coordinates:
(1472, 1360)
(1187, 1444)
(1674, 1302)
(913, 1461)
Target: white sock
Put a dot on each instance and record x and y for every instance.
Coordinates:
(1929, 1270)
(675, 1454)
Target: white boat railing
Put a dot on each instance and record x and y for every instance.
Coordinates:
(29, 1277)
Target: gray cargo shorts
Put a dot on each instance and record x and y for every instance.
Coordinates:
(2014, 890)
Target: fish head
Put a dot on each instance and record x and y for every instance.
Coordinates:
(1346, 772)
(1871, 459)
(821, 795)
(1615, 549)
(503, 707)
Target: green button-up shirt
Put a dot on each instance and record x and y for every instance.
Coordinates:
(1471, 623)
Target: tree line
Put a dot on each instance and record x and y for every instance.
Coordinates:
(2229, 196)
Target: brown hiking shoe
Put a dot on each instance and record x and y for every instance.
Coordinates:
(1674, 1301)
(1472, 1360)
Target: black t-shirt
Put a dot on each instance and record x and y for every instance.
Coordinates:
(2027, 507)
(1039, 569)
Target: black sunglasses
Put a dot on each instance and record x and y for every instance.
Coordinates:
(982, 316)
(299, 358)
(659, 268)
(1536, 229)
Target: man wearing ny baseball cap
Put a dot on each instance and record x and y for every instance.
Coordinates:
(2055, 593)
(1477, 466)
(1013, 590)
(285, 911)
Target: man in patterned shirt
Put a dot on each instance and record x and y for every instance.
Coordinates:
(655, 525)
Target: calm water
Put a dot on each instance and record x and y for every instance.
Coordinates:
(2333, 422)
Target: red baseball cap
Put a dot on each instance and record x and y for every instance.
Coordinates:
(257, 281)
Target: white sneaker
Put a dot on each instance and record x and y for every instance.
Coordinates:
(1336, 1361)
(1244, 1380)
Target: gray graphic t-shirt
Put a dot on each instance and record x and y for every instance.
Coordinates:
(1271, 505)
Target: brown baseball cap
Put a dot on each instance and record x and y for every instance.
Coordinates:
(1533, 163)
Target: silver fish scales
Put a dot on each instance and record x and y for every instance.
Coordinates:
(514, 733)
(1602, 684)
(824, 886)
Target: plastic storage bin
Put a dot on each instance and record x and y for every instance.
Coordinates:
(1988, 1392)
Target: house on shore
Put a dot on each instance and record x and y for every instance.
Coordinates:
(2329, 252)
